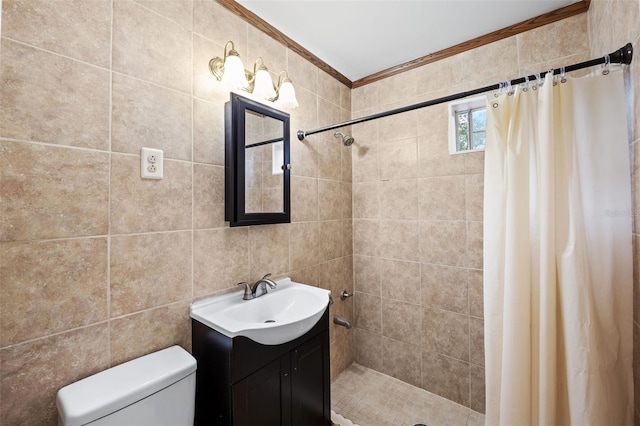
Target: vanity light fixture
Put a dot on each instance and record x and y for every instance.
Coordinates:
(230, 71)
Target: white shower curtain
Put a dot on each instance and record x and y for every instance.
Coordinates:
(558, 255)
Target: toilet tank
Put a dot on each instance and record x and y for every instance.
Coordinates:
(155, 389)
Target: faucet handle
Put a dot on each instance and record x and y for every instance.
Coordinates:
(248, 294)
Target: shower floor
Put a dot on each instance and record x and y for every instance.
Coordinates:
(369, 398)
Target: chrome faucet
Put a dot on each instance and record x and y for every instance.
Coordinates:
(257, 289)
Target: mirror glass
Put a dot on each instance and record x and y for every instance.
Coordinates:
(257, 163)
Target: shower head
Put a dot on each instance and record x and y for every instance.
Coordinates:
(346, 139)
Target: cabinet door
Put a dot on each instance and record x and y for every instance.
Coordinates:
(310, 399)
(256, 398)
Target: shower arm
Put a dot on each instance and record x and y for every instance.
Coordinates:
(624, 55)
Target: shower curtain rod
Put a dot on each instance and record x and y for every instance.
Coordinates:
(624, 55)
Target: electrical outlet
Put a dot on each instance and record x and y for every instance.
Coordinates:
(151, 163)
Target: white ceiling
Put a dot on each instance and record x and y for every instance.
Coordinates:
(361, 37)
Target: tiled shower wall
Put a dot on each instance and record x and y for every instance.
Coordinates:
(417, 215)
(98, 266)
(612, 24)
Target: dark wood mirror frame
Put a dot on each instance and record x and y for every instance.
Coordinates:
(235, 142)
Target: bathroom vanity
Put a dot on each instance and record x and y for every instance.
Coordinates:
(244, 383)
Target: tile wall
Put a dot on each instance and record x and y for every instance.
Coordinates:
(98, 266)
(417, 215)
(612, 24)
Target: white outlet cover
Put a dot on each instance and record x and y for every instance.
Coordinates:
(145, 173)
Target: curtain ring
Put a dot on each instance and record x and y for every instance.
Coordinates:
(495, 105)
(526, 84)
(607, 61)
(562, 77)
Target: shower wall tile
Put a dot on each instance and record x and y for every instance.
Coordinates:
(160, 52)
(401, 321)
(477, 388)
(302, 72)
(476, 297)
(399, 199)
(401, 360)
(179, 11)
(544, 43)
(446, 377)
(366, 159)
(331, 241)
(76, 111)
(39, 294)
(144, 205)
(443, 242)
(368, 312)
(220, 259)
(148, 331)
(366, 200)
(476, 334)
(442, 198)
(474, 245)
(304, 156)
(446, 333)
(474, 193)
(52, 192)
(445, 287)
(208, 196)
(80, 30)
(366, 237)
(368, 349)
(398, 159)
(400, 280)
(306, 116)
(399, 239)
(474, 162)
(146, 115)
(31, 373)
(329, 199)
(329, 111)
(398, 127)
(330, 158)
(434, 158)
(367, 274)
(434, 120)
(166, 278)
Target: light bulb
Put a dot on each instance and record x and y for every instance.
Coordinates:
(287, 96)
(234, 77)
(263, 88)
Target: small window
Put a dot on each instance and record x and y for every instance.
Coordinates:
(467, 125)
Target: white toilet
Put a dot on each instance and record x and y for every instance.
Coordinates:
(156, 389)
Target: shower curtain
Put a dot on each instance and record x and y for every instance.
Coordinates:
(558, 255)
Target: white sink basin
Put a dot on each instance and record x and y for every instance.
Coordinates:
(283, 314)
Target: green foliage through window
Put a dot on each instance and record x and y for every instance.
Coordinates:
(471, 129)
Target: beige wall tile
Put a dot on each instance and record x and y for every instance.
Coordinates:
(306, 115)
(151, 47)
(446, 333)
(208, 196)
(474, 245)
(81, 30)
(476, 296)
(145, 205)
(401, 321)
(268, 250)
(139, 334)
(474, 193)
(442, 198)
(330, 158)
(445, 287)
(477, 387)
(434, 158)
(443, 243)
(400, 280)
(304, 156)
(399, 159)
(556, 40)
(401, 360)
(474, 162)
(368, 312)
(301, 72)
(329, 199)
(492, 60)
(366, 237)
(399, 199)
(180, 11)
(476, 346)
(304, 199)
(145, 271)
(31, 373)
(146, 115)
(220, 25)
(329, 88)
(366, 200)
(434, 120)
(347, 200)
(367, 274)
(205, 85)
(220, 259)
(272, 52)
(76, 111)
(368, 349)
(446, 377)
(304, 248)
(365, 160)
(400, 239)
(51, 286)
(51, 192)
(208, 132)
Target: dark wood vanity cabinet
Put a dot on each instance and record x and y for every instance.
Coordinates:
(240, 382)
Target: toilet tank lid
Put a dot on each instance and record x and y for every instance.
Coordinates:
(117, 387)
